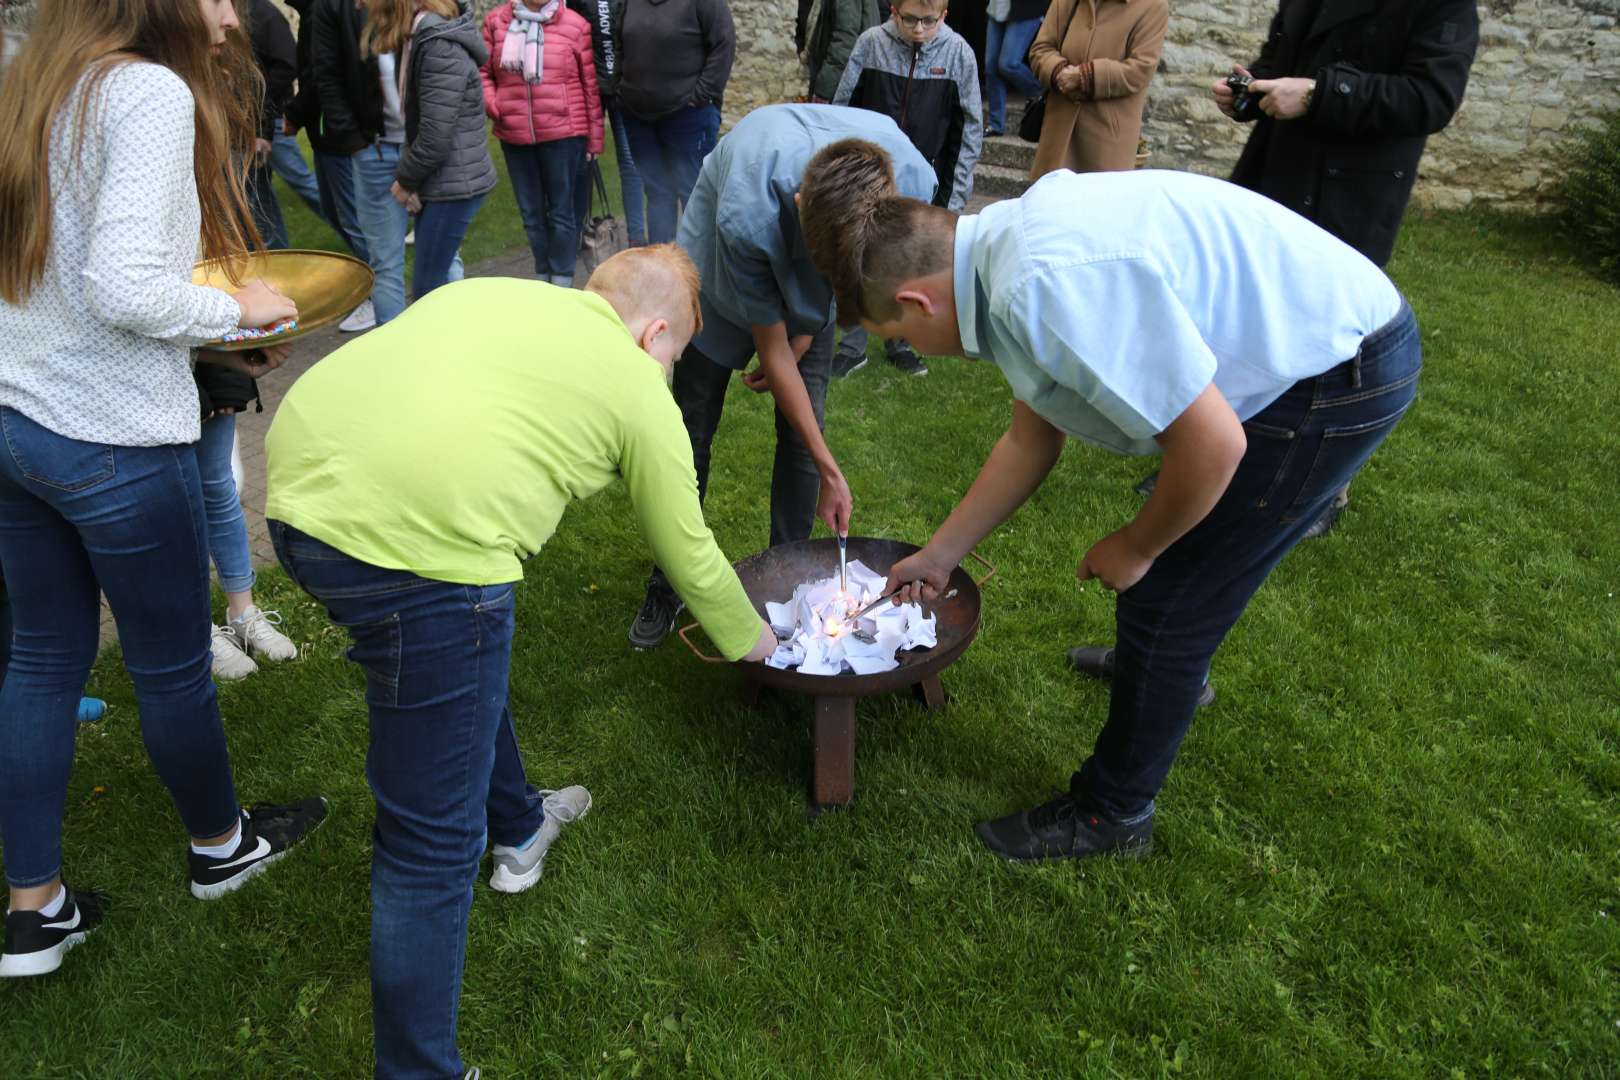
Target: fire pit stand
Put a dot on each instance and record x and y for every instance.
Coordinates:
(773, 574)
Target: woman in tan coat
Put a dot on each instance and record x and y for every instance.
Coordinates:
(1097, 76)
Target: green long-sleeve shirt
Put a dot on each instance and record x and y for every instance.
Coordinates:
(449, 442)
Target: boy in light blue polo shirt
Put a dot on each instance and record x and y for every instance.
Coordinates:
(1140, 312)
(762, 294)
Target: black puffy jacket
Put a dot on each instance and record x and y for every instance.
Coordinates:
(607, 20)
(1389, 73)
(277, 56)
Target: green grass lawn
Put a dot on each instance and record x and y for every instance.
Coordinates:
(1390, 849)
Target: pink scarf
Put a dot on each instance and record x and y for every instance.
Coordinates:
(405, 63)
(523, 52)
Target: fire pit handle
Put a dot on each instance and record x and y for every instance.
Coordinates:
(697, 652)
(989, 570)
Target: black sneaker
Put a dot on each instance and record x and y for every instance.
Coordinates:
(907, 362)
(35, 944)
(657, 616)
(1097, 661)
(1325, 524)
(1060, 829)
(846, 364)
(1145, 486)
(267, 833)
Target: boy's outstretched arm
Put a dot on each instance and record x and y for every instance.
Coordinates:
(1202, 449)
(779, 363)
(1015, 468)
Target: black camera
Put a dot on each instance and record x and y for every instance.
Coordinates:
(1245, 102)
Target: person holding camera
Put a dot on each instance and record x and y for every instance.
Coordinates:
(1343, 97)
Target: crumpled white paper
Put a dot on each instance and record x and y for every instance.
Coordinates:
(819, 641)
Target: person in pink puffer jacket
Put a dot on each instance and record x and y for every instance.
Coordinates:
(540, 89)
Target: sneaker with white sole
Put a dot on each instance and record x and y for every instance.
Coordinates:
(256, 629)
(517, 868)
(230, 661)
(361, 318)
(267, 832)
(35, 944)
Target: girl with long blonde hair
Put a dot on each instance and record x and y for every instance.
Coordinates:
(124, 128)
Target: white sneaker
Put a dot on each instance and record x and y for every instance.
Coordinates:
(518, 868)
(410, 241)
(361, 318)
(257, 631)
(230, 662)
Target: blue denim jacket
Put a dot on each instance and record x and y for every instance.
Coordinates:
(741, 225)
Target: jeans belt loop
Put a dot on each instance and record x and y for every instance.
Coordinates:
(1355, 370)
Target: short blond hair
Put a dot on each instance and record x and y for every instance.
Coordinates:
(655, 281)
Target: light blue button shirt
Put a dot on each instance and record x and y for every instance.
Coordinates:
(741, 225)
(1111, 300)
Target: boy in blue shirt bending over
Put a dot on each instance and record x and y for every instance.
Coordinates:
(762, 294)
(1140, 312)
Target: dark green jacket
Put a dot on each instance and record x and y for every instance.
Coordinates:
(838, 25)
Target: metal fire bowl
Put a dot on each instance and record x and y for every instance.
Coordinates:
(773, 574)
(325, 285)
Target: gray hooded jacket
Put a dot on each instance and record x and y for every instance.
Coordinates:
(446, 153)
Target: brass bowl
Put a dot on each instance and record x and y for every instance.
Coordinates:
(325, 285)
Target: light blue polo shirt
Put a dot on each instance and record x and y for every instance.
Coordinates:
(741, 225)
(1110, 300)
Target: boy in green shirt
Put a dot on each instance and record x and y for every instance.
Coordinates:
(409, 473)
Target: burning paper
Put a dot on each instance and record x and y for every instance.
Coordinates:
(820, 638)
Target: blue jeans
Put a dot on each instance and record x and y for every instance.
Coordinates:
(668, 154)
(630, 187)
(335, 174)
(1302, 449)
(227, 527)
(384, 223)
(266, 208)
(543, 178)
(444, 769)
(1006, 52)
(287, 161)
(440, 228)
(78, 519)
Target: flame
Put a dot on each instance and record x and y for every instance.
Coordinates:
(833, 626)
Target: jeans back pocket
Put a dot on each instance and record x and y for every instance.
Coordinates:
(54, 461)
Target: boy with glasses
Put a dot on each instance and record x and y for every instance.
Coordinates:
(923, 75)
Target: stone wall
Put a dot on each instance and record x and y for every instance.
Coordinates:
(1543, 66)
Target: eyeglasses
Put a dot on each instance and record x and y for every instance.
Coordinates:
(927, 22)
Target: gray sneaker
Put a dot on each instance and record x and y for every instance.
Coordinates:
(517, 869)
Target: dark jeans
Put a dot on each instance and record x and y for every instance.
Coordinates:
(444, 769)
(1006, 52)
(1302, 449)
(543, 178)
(266, 207)
(335, 174)
(440, 228)
(700, 391)
(630, 188)
(78, 519)
(669, 152)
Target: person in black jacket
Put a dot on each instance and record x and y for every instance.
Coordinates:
(277, 56)
(339, 105)
(1349, 93)
(676, 59)
(607, 19)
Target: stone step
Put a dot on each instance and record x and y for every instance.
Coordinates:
(1000, 181)
(1008, 151)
